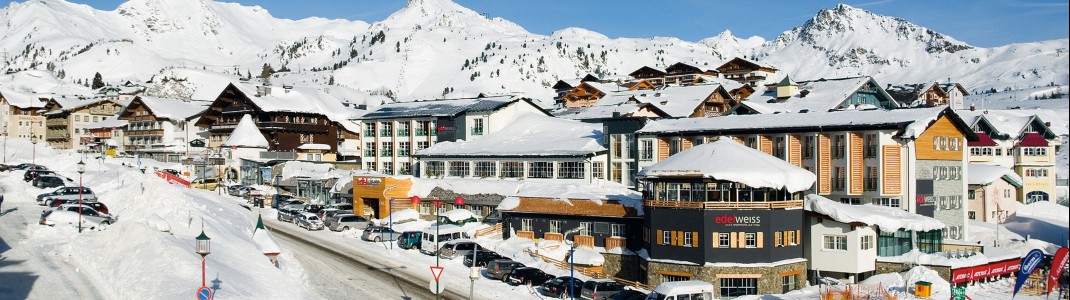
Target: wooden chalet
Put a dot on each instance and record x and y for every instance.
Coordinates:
(716, 104)
(911, 95)
(745, 71)
(66, 118)
(655, 76)
(587, 94)
(685, 74)
(285, 128)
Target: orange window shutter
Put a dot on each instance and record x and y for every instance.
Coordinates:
(890, 167)
(658, 238)
(798, 235)
(760, 239)
(663, 149)
(694, 242)
(794, 150)
(824, 164)
(672, 238)
(856, 163)
(716, 240)
(685, 144)
(732, 240)
(765, 144)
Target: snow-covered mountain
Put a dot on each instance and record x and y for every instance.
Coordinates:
(436, 48)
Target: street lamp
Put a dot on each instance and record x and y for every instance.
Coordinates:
(203, 248)
(571, 261)
(81, 170)
(33, 140)
(390, 207)
(438, 203)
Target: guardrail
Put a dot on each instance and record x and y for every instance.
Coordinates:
(496, 229)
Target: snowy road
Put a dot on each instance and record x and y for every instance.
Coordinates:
(337, 273)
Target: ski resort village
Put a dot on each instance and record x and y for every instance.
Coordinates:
(178, 149)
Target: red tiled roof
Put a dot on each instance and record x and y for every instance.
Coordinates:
(983, 140)
(1033, 139)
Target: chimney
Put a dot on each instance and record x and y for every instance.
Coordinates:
(973, 107)
(616, 114)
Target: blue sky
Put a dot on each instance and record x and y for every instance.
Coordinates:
(984, 23)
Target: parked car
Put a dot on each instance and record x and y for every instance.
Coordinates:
(346, 222)
(286, 215)
(99, 207)
(378, 234)
(29, 175)
(209, 183)
(68, 214)
(439, 234)
(237, 190)
(527, 276)
(328, 213)
(690, 289)
(28, 166)
(558, 287)
(66, 193)
(457, 248)
(409, 240)
(494, 217)
(637, 295)
(499, 268)
(47, 181)
(312, 208)
(292, 204)
(481, 258)
(600, 289)
(308, 221)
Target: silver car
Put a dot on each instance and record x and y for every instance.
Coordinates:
(66, 193)
(379, 234)
(308, 221)
(345, 222)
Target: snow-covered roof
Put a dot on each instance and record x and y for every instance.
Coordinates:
(729, 160)
(107, 123)
(677, 101)
(305, 169)
(439, 108)
(171, 109)
(566, 193)
(982, 174)
(458, 214)
(265, 242)
(71, 104)
(1008, 123)
(314, 147)
(955, 260)
(528, 135)
(884, 217)
(297, 100)
(911, 122)
(246, 134)
(597, 111)
(21, 100)
(814, 95)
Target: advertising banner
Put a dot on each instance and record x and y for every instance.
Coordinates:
(1029, 264)
(172, 178)
(1057, 263)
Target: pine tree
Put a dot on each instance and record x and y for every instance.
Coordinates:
(266, 71)
(98, 81)
(330, 81)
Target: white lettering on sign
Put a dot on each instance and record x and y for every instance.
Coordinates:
(734, 220)
(367, 181)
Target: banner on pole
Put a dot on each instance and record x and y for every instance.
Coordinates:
(1029, 264)
(1057, 263)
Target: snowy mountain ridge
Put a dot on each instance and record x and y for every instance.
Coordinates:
(437, 48)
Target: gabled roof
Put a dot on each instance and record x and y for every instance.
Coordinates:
(600, 112)
(814, 95)
(947, 87)
(676, 101)
(246, 134)
(297, 100)
(681, 68)
(884, 217)
(71, 104)
(169, 109)
(1007, 123)
(743, 61)
(645, 69)
(981, 174)
(1033, 139)
(21, 100)
(983, 140)
(907, 94)
(910, 122)
(444, 108)
(729, 160)
(530, 135)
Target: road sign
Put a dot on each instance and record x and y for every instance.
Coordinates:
(958, 293)
(436, 287)
(204, 293)
(436, 271)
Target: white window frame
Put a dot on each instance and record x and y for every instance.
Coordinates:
(832, 242)
(525, 225)
(750, 240)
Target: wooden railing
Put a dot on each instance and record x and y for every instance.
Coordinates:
(726, 205)
(593, 271)
(634, 284)
(496, 229)
(526, 234)
(616, 242)
(552, 236)
(583, 241)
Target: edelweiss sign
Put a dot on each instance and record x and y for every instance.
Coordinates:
(367, 181)
(734, 220)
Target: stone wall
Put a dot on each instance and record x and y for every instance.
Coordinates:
(890, 267)
(947, 196)
(621, 266)
(769, 282)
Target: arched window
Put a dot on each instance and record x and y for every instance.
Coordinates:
(1035, 196)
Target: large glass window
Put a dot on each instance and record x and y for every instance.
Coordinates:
(779, 147)
(555, 226)
(541, 169)
(571, 170)
(930, 241)
(386, 149)
(893, 243)
(737, 287)
(436, 168)
(369, 149)
(403, 149)
(486, 169)
(459, 168)
(403, 128)
(808, 145)
(787, 283)
(385, 129)
(388, 168)
(646, 149)
(477, 126)
(834, 242)
(512, 169)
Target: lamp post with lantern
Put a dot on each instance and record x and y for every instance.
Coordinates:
(390, 207)
(203, 248)
(33, 140)
(81, 170)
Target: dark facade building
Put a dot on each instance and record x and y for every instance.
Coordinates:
(726, 214)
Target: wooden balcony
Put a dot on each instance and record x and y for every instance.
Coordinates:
(552, 236)
(237, 109)
(616, 242)
(145, 132)
(56, 122)
(526, 234)
(294, 127)
(583, 241)
(726, 205)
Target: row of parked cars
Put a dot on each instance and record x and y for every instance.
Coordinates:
(65, 204)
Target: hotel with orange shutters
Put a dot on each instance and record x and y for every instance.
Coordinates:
(912, 159)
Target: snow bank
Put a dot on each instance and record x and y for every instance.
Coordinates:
(265, 242)
(588, 256)
(305, 169)
(887, 218)
(509, 203)
(729, 160)
(1045, 211)
(246, 134)
(401, 216)
(157, 222)
(951, 259)
(458, 214)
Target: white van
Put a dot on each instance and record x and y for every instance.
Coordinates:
(446, 232)
(682, 290)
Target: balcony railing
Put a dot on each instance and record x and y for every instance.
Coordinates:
(369, 133)
(421, 132)
(616, 242)
(237, 109)
(838, 184)
(403, 132)
(384, 133)
(726, 205)
(869, 184)
(477, 131)
(271, 125)
(278, 155)
(146, 132)
(223, 127)
(56, 122)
